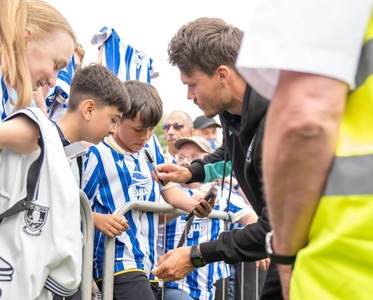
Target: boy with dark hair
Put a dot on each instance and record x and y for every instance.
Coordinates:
(117, 172)
(97, 101)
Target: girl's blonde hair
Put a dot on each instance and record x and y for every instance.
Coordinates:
(44, 21)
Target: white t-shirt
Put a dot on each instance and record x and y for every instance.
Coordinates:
(299, 36)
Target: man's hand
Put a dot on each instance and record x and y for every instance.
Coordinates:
(171, 172)
(110, 224)
(174, 265)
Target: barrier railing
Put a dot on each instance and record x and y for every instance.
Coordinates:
(109, 245)
(88, 234)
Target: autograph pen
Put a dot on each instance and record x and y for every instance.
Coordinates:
(150, 159)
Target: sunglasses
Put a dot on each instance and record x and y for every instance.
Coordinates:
(176, 126)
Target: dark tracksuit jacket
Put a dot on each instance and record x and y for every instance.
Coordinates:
(242, 145)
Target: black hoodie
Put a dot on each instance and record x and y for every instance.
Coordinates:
(242, 145)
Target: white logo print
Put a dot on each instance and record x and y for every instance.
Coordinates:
(248, 154)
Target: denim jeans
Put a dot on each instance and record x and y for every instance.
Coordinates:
(175, 294)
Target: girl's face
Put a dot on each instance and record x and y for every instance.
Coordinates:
(131, 136)
(46, 58)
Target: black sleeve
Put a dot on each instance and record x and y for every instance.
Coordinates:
(247, 244)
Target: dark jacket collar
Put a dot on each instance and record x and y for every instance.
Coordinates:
(254, 108)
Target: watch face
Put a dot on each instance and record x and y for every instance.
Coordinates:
(196, 258)
(197, 262)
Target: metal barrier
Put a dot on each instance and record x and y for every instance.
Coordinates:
(109, 246)
(88, 235)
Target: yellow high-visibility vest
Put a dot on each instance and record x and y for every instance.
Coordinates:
(337, 263)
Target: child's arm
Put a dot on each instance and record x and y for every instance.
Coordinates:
(176, 197)
(19, 134)
(110, 224)
(250, 218)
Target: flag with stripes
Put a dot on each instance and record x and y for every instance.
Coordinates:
(122, 59)
(58, 96)
(6, 106)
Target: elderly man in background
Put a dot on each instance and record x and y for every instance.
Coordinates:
(176, 125)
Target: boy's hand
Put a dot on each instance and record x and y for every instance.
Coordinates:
(203, 209)
(110, 224)
(263, 263)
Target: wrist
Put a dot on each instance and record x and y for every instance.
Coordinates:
(188, 174)
(277, 258)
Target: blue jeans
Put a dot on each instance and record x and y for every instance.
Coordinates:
(232, 282)
(175, 294)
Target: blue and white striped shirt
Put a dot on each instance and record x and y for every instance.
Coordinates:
(58, 96)
(113, 177)
(199, 283)
(7, 107)
(122, 59)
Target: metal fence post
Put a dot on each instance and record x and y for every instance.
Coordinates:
(88, 234)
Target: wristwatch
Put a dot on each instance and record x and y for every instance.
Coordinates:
(275, 258)
(196, 258)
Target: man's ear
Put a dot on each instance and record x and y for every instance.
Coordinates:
(224, 74)
(88, 106)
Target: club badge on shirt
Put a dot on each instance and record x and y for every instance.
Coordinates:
(35, 218)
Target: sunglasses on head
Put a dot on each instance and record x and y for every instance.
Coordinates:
(176, 125)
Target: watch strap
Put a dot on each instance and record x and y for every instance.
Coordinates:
(282, 259)
(276, 258)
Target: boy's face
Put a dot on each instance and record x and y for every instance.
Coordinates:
(131, 136)
(102, 124)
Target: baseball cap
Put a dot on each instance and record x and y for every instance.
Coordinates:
(202, 122)
(199, 141)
